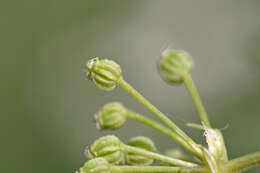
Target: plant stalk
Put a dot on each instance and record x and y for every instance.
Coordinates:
(160, 115)
(243, 163)
(156, 156)
(123, 169)
(197, 100)
(149, 122)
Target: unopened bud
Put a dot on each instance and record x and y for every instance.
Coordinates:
(174, 64)
(144, 143)
(108, 147)
(104, 73)
(96, 165)
(111, 116)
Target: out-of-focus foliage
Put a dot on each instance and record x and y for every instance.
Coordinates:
(47, 107)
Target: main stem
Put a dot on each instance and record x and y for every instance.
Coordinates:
(243, 163)
(156, 156)
(160, 128)
(124, 169)
(159, 114)
(196, 98)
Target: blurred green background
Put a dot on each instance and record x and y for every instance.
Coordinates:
(47, 107)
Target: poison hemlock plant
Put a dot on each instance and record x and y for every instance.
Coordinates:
(109, 154)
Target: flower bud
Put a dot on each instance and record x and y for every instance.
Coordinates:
(144, 143)
(96, 165)
(108, 147)
(111, 116)
(174, 64)
(104, 73)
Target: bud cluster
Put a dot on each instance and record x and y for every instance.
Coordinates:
(107, 153)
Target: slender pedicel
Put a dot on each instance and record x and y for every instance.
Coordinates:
(100, 165)
(156, 156)
(124, 169)
(195, 126)
(197, 100)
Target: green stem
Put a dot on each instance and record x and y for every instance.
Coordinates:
(123, 169)
(160, 128)
(195, 126)
(159, 114)
(196, 98)
(244, 162)
(156, 156)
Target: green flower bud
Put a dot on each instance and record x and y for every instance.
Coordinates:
(216, 145)
(104, 73)
(174, 64)
(111, 116)
(108, 147)
(144, 143)
(97, 165)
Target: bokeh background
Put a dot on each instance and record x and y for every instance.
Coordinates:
(47, 106)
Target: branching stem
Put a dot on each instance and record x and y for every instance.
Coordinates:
(159, 114)
(149, 122)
